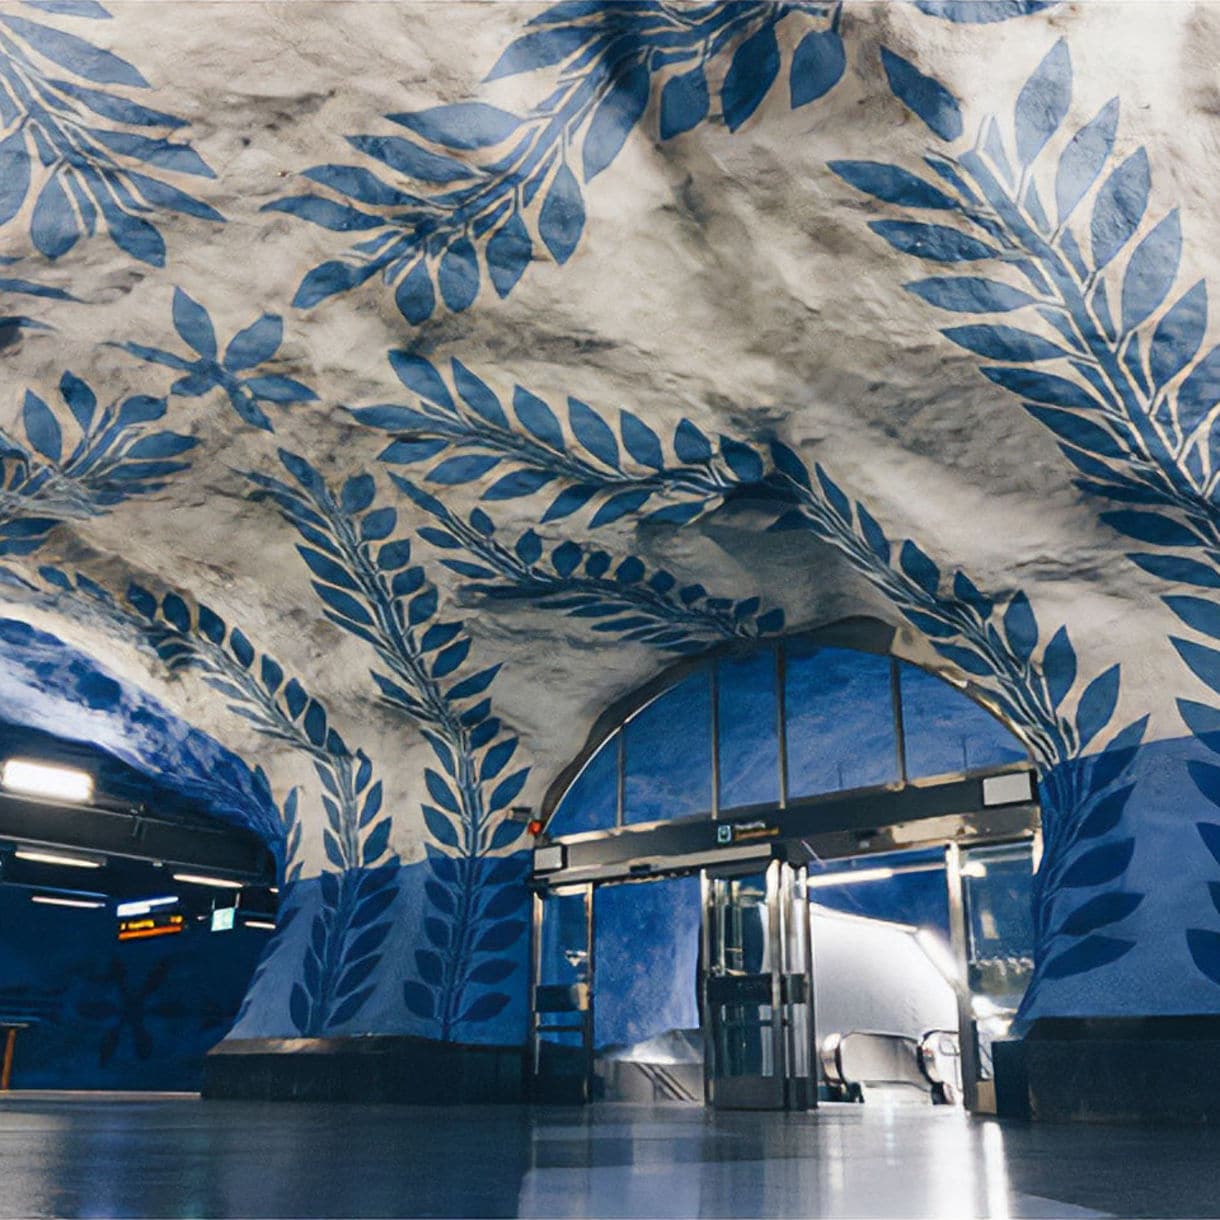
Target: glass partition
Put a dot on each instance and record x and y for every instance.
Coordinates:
(946, 732)
(668, 754)
(591, 803)
(840, 720)
(748, 730)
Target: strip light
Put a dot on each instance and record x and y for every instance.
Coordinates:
(144, 906)
(48, 857)
(47, 900)
(849, 877)
(221, 883)
(259, 923)
(46, 779)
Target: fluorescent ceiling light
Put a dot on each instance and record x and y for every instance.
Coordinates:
(259, 923)
(50, 857)
(46, 779)
(142, 907)
(47, 900)
(273, 889)
(221, 883)
(848, 876)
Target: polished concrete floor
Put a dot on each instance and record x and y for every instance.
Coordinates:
(123, 1155)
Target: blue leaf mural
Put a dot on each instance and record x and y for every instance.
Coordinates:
(84, 154)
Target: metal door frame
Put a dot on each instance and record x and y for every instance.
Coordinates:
(584, 991)
(792, 984)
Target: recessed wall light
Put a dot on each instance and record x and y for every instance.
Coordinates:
(46, 779)
(50, 857)
(84, 903)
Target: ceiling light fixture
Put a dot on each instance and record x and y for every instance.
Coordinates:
(46, 779)
(50, 857)
(143, 906)
(221, 883)
(47, 900)
(259, 923)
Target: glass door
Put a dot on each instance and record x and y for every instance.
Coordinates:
(991, 921)
(755, 985)
(561, 1011)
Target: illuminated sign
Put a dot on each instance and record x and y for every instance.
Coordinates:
(158, 923)
(222, 919)
(741, 832)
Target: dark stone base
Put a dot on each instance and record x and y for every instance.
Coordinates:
(1163, 1070)
(367, 1069)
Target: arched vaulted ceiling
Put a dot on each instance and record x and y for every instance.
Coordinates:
(391, 387)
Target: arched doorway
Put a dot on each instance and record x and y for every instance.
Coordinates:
(741, 841)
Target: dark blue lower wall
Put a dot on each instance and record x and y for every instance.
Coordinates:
(132, 1015)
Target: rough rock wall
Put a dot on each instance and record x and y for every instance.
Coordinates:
(394, 385)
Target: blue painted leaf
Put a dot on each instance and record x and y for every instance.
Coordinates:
(257, 342)
(376, 843)
(355, 182)
(934, 242)
(42, 427)
(274, 388)
(485, 1007)
(593, 433)
(411, 160)
(449, 660)
(1178, 335)
(421, 377)
(169, 198)
(1097, 705)
(463, 468)
(891, 184)
(969, 294)
(160, 445)
(919, 568)
(619, 505)
(1151, 527)
(1020, 628)
(1200, 391)
(71, 8)
(493, 971)
(1209, 832)
(817, 66)
(744, 461)
(463, 125)
(14, 175)
(1204, 662)
(536, 417)
(508, 254)
(562, 219)
(1204, 948)
(617, 113)
(1089, 954)
(476, 684)
(1201, 614)
(298, 1007)
(1099, 912)
(495, 760)
(1151, 271)
(752, 71)
(1105, 815)
(54, 228)
(506, 834)
(641, 441)
(1043, 387)
(684, 102)
(1207, 779)
(1119, 207)
(977, 12)
(500, 936)
(1043, 102)
(326, 213)
(414, 295)
(418, 999)
(1001, 342)
(440, 827)
(180, 158)
(1099, 865)
(75, 54)
(330, 279)
(507, 790)
(540, 50)
(1058, 665)
(431, 968)
(191, 321)
(458, 275)
(927, 98)
(691, 446)
(1084, 158)
(478, 395)
(1179, 570)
